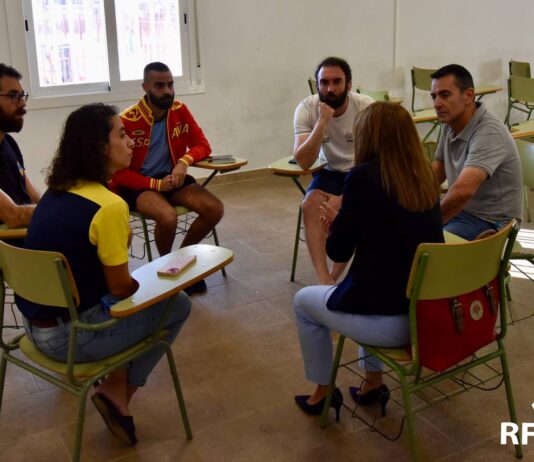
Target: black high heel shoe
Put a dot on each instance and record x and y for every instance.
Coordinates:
(316, 409)
(378, 395)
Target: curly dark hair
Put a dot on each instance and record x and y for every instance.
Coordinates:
(334, 61)
(81, 154)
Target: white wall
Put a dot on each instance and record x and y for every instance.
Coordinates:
(5, 54)
(482, 35)
(257, 55)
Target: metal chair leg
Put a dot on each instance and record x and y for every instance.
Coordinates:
(216, 240)
(147, 239)
(526, 188)
(332, 386)
(79, 424)
(3, 366)
(510, 399)
(296, 246)
(178, 390)
(434, 126)
(409, 420)
(507, 118)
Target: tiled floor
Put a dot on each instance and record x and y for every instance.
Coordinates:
(240, 366)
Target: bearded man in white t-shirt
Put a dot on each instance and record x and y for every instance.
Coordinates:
(323, 129)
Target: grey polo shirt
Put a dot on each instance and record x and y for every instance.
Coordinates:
(485, 143)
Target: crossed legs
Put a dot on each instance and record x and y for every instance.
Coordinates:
(160, 208)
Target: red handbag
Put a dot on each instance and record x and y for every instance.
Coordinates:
(452, 329)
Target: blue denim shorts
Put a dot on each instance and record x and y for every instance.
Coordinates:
(328, 181)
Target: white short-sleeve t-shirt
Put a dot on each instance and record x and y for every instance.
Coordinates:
(336, 148)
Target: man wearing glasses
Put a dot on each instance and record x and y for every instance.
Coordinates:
(17, 195)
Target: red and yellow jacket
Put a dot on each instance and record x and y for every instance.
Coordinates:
(183, 133)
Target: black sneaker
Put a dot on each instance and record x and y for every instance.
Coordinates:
(197, 288)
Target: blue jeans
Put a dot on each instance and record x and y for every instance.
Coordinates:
(469, 227)
(93, 346)
(314, 321)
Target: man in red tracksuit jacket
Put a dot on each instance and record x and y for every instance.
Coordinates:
(167, 141)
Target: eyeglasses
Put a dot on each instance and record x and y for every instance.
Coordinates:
(16, 97)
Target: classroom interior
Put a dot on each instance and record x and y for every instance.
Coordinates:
(238, 355)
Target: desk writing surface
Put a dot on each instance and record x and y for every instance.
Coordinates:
(154, 288)
(12, 233)
(283, 167)
(523, 129)
(429, 115)
(426, 115)
(238, 163)
(486, 89)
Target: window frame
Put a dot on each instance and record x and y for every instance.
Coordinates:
(24, 59)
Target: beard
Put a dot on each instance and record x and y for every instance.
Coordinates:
(332, 100)
(11, 123)
(163, 102)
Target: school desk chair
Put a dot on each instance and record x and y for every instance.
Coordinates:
(457, 293)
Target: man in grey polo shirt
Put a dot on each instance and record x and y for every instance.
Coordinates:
(477, 156)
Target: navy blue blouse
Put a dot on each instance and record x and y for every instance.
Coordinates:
(384, 236)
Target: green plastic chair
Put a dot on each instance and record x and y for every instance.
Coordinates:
(526, 154)
(312, 84)
(519, 68)
(377, 95)
(8, 234)
(430, 148)
(46, 278)
(421, 80)
(520, 96)
(445, 271)
(143, 228)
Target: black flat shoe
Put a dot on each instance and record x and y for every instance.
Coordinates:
(197, 288)
(122, 426)
(378, 395)
(316, 409)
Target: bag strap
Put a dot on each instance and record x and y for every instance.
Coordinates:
(491, 299)
(457, 314)
(457, 309)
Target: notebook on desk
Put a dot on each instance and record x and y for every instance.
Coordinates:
(177, 265)
(221, 158)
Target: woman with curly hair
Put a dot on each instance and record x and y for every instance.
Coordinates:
(80, 218)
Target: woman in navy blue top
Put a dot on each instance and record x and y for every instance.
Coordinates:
(80, 218)
(390, 205)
